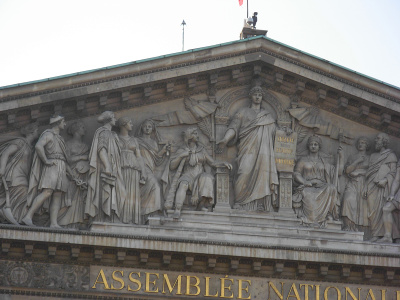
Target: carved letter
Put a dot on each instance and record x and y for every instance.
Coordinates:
(120, 280)
(348, 291)
(223, 287)
(371, 293)
(306, 286)
(240, 288)
(177, 282)
(296, 293)
(189, 285)
(208, 289)
(103, 278)
(148, 282)
(280, 295)
(339, 296)
(139, 284)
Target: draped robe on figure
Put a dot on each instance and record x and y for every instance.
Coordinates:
(16, 175)
(354, 206)
(150, 192)
(52, 177)
(382, 165)
(75, 197)
(318, 201)
(105, 196)
(256, 177)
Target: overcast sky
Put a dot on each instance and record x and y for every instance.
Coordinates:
(41, 39)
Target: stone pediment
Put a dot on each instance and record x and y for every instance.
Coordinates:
(248, 159)
(286, 70)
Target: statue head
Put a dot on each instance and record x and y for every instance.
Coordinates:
(363, 143)
(76, 126)
(57, 121)
(314, 143)
(256, 94)
(381, 141)
(107, 117)
(190, 134)
(30, 129)
(148, 127)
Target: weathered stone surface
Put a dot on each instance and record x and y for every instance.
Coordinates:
(277, 176)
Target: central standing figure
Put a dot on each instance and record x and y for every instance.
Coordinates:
(256, 177)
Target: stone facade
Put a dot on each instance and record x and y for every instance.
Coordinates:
(248, 170)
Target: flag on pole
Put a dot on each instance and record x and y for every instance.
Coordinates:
(240, 2)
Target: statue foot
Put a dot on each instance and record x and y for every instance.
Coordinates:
(374, 239)
(55, 226)
(176, 214)
(167, 205)
(27, 221)
(386, 239)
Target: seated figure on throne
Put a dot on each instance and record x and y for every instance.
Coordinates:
(189, 163)
(316, 200)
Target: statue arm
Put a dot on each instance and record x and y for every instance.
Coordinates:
(215, 163)
(177, 159)
(395, 185)
(11, 150)
(39, 147)
(103, 155)
(141, 162)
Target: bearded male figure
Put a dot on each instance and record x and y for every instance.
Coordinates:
(378, 181)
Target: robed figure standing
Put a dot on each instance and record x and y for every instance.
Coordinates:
(106, 192)
(253, 129)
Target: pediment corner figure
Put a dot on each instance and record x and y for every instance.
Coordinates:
(15, 164)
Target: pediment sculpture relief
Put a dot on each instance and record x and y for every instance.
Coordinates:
(253, 150)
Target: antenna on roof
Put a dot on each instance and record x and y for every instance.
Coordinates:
(183, 35)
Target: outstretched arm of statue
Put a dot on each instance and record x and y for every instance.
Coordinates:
(11, 150)
(229, 135)
(215, 163)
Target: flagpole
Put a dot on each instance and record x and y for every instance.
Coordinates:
(247, 9)
(183, 35)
